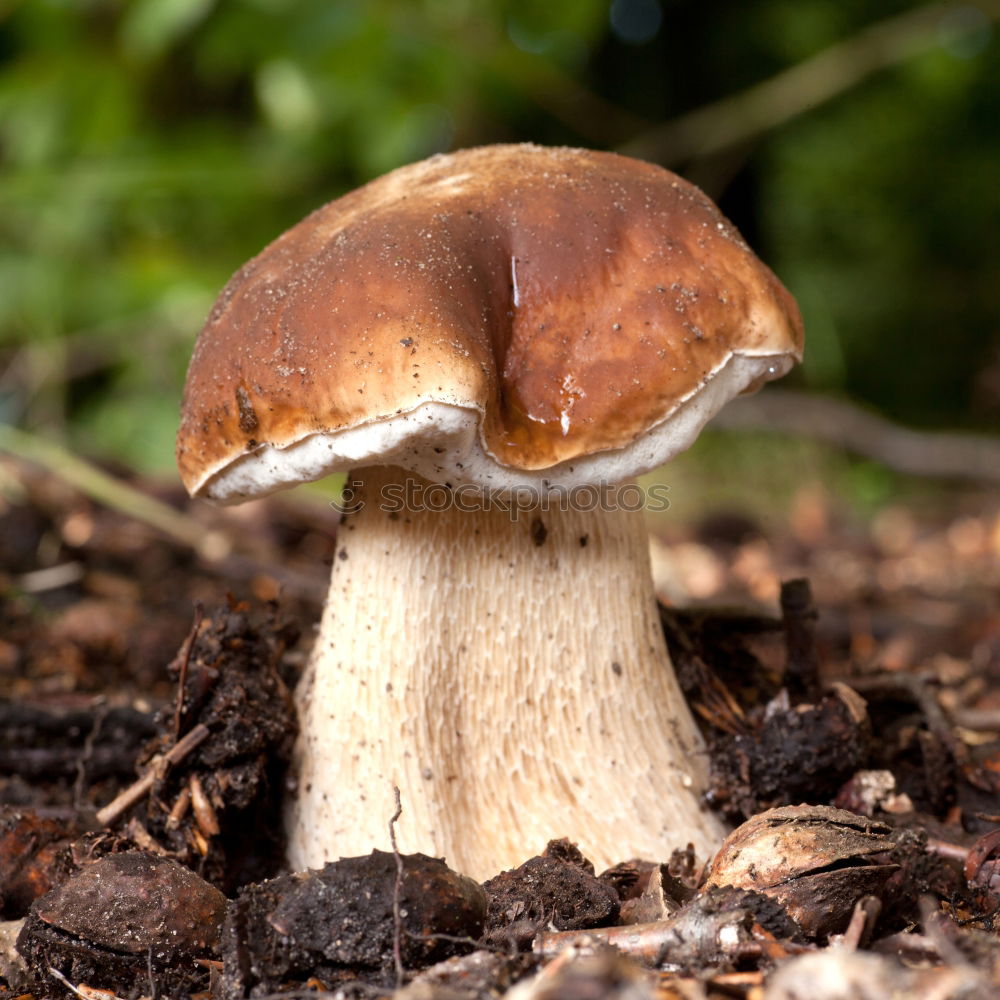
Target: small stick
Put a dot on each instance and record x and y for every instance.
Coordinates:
(154, 988)
(144, 839)
(920, 688)
(798, 616)
(981, 720)
(980, 852)
(397, 920)
(935, 928)
(87, 754)
(910, 946)
(82, 991)
(641, 941)
(199, 614)
(945, 849)
(157, 767)
(859, 930)
(649, 942)
(638, 940)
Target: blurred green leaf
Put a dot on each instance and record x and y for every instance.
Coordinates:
(149, 147)
(151, 27)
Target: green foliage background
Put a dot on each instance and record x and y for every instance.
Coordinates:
(147, 148)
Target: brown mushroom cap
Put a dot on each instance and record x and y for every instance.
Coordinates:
(507, 315)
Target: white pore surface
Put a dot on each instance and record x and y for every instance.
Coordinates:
(442, 443)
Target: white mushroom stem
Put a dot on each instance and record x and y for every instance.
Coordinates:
(509, 675)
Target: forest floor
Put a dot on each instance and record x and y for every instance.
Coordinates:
(874, 690)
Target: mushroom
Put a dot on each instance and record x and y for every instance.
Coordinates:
(495, 343)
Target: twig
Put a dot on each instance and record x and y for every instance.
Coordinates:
(919, 689)
(740, 118)
(157, 768)
(358, 988)
(39, 581)
(85, 994)
(848, 426)
(935, 928)
(475, 943)
(982, 720)
(863, 919)
(37, 742)
(980, 852)
(908, 945)
(648, 942)
(215, 546)
(397, 919)
(944, 849)
(87, 753)
(154, 987)
(644, 941)
(111, 492)
(199, 614)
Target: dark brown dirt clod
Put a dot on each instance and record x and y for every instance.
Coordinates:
(233, 779)
(790, 754)
(543, 891)
(644, 884)
(656, 901)
(922, 872)
(565, 850)
(337, 923)
(628, 878)
(34, 857)
(117, 919)
(135, 901)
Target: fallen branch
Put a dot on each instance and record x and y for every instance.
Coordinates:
(848, 426)
(743, 117)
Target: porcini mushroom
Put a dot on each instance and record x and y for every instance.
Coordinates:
(477, 336)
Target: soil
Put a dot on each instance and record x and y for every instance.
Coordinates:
(146, 721)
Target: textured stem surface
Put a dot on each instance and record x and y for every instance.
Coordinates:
(510, 675)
